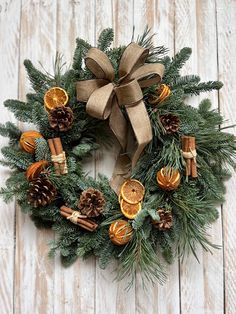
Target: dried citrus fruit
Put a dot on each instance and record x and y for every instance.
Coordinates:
(35, 169)
(54, 97)
(27, 141)
(168, 178)
(163, 92)
(119, 198)
(120, 232)
(132, 191)
(130, 210)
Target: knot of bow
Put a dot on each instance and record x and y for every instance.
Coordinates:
(105, 97)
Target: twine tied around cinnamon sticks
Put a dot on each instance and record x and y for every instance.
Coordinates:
(78, 219)
(190, 155)
(58, 156)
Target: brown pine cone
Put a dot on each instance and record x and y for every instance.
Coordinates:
(170, 123)
(61, 118)
(91, 202)
(41, 192)
(166, 220)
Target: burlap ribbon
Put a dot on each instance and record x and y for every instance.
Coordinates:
(105, 97)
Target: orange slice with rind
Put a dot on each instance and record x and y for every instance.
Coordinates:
(119, 198)
(132, 191)
(55, 97)
(168, 178)
(130, 211)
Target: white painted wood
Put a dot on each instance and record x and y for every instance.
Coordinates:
(226, 12)
(208, 70)
(158, 299)
(113, 298)
(35, 29)
(79, 277)
(34, 271)
(9, 57)
(191, 272)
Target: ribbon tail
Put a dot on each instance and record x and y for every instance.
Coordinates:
(118, 124)
(142, 130)
(121, 172)
(119, 127)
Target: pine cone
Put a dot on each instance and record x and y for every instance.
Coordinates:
(91, 202)
(61, 118)
(41, 192)
(170, 123)
(166, 220)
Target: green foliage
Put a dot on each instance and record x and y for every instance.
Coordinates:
(105, 39)
(16, 158)
(192, 205)
(38, 79)
(11, 131)
(42, 150)
(139, 255)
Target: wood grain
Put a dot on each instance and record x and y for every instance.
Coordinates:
(226, 11)
(208, 70)
(191, 272)
(35, 29)
(9, 64)
(80, 277)
(158, 299)
(34, 270)
(113, 299)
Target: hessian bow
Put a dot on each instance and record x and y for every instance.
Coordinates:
(105, 97)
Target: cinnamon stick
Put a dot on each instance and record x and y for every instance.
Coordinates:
(192, 147)
(59, 149)
(53, 152)
(185, 148)
(189, 147)
(83, 222)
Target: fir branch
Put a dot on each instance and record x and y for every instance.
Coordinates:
(16, 158)
(146, 41)
(105, 39)
(183, 81)
(39, 81)
(83, 150)
(196, 89)
(139, 255)
(12, 131)
(42, 151)
(21, 110)
(82, 48)
(178, 61)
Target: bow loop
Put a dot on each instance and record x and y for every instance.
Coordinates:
(104, 97)
(99, 64)
(133, 57)
(128, 94)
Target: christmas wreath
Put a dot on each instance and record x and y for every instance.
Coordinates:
(168, 177)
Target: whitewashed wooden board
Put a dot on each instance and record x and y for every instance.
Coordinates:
(36, 29)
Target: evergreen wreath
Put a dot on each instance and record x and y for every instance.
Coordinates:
(169, 199)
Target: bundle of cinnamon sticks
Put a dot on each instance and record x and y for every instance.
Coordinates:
(58, 155)
(190, 154)
(77, 218)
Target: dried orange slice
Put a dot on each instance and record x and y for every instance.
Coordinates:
(163, 92)
(130, 210)
(34, 170)
(54, 97)
(120, 232)
(132, 191)
(119, 198)
(168, 178)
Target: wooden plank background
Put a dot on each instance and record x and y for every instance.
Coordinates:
(36, 29)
